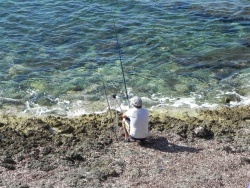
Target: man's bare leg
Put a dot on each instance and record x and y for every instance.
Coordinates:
(125, 127)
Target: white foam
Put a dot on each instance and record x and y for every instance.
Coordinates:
(209, 106)
(184, 102)
(81, 107)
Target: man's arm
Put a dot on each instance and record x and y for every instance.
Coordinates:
(124, 116)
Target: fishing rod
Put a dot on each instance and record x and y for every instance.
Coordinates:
(115, 119)
(120, 57)
(105, 91)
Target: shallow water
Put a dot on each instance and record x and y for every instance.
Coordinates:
(62, 57)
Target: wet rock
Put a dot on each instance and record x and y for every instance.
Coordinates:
(10, 100)
(47, 100)
(181, 88)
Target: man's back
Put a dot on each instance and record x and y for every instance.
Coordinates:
(139, 120)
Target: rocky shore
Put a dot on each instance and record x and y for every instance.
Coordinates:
(205, 148)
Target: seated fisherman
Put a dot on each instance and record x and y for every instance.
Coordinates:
(136, 122)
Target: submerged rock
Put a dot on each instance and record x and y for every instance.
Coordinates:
(230, 98)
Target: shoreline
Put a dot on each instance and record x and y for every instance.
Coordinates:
(77, 107)
(88, 151)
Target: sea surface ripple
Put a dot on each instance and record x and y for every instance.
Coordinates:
(62, 57)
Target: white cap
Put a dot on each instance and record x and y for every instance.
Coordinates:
(136, 101)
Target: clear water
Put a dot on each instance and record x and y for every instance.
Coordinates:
(61, 57)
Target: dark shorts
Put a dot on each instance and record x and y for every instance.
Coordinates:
(139, 139)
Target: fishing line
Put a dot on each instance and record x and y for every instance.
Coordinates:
(120, 56)
(114, 97)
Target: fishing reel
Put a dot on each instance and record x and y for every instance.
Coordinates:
(114, 96)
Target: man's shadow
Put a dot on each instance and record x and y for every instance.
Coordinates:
(162, 144)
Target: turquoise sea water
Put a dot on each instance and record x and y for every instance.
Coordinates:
(61, 57)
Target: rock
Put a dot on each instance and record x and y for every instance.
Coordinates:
(80, 180)
(47, 167)
(9, 160)
(46, 150)
(2, 124)
(182, 130)
(8, 166)
(228, 149)
(135, 173)
(42, 164)
(91, 146)
(74, 156)
(19, 185)
(103, 173)
(230, 98)
(245, 160)
(24, 186)
(67, 130)
(47, 100)
(202, 132)
(246, 132)
(20, 158)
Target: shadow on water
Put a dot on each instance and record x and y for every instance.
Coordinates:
(162, 144)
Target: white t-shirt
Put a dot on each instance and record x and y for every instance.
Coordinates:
(139, 120)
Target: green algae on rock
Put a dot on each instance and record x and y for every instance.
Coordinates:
(85, 142)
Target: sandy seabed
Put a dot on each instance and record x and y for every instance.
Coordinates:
(202, 148)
